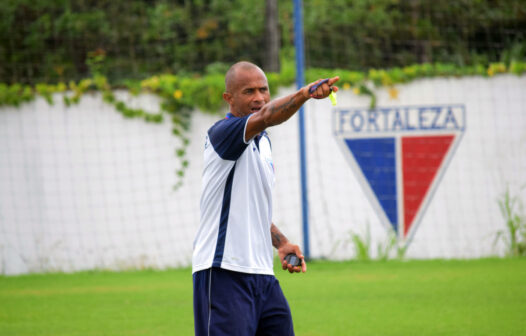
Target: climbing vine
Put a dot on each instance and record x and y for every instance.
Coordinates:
(181, 94)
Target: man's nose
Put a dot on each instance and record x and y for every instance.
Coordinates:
(259, 96)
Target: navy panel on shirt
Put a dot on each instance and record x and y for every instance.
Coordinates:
(227, 137)
(223, 221)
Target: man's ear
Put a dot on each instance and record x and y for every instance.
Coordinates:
(227, 96)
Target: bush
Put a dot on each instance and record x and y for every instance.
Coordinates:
(51, 40)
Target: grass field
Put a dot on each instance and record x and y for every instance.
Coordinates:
(476, 297)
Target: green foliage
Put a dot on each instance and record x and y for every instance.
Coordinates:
(363, 34)
(514, 236)
(392, 248)
(14, 95)
(56, 41)
(385, 251)
(362, 245)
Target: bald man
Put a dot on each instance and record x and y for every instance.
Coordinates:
(235, 291)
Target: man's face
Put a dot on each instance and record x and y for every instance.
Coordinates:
(249, 92)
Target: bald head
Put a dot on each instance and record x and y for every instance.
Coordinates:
(246, 89)
(232, 73)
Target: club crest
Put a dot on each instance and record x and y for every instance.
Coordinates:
(399, 155)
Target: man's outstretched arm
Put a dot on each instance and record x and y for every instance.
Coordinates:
(284, 247)
(280, 110)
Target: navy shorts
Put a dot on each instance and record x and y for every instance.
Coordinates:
(233, 303)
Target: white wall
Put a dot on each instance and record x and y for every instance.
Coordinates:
(84, 188)
(463, 217)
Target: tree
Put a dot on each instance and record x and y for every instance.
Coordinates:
(271, 59)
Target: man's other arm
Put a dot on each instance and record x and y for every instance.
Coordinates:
(280, 242)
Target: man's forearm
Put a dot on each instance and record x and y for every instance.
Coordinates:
(280, 110)
(278, 239)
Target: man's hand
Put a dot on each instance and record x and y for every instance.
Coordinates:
(288, 248)
(280, 242)
(323, 91)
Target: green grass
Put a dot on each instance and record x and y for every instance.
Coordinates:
(476, 297)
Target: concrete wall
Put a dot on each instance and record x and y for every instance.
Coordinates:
(83, 188)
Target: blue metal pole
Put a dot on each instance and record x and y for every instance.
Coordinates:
(300, 81)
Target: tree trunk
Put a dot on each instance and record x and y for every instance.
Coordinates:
(271, 59)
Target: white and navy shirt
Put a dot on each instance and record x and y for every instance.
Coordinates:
(236, 201)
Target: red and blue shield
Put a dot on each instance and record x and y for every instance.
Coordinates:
(399, 155)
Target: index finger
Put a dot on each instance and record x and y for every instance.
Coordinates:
(333, 80)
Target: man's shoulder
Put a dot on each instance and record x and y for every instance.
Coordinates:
(228, 136)
(228, 124)
(219, 123)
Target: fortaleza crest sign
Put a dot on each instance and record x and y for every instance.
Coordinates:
(399, 155)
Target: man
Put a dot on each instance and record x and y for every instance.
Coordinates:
(235, 291)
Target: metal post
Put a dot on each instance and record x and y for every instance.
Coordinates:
(300, 81)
